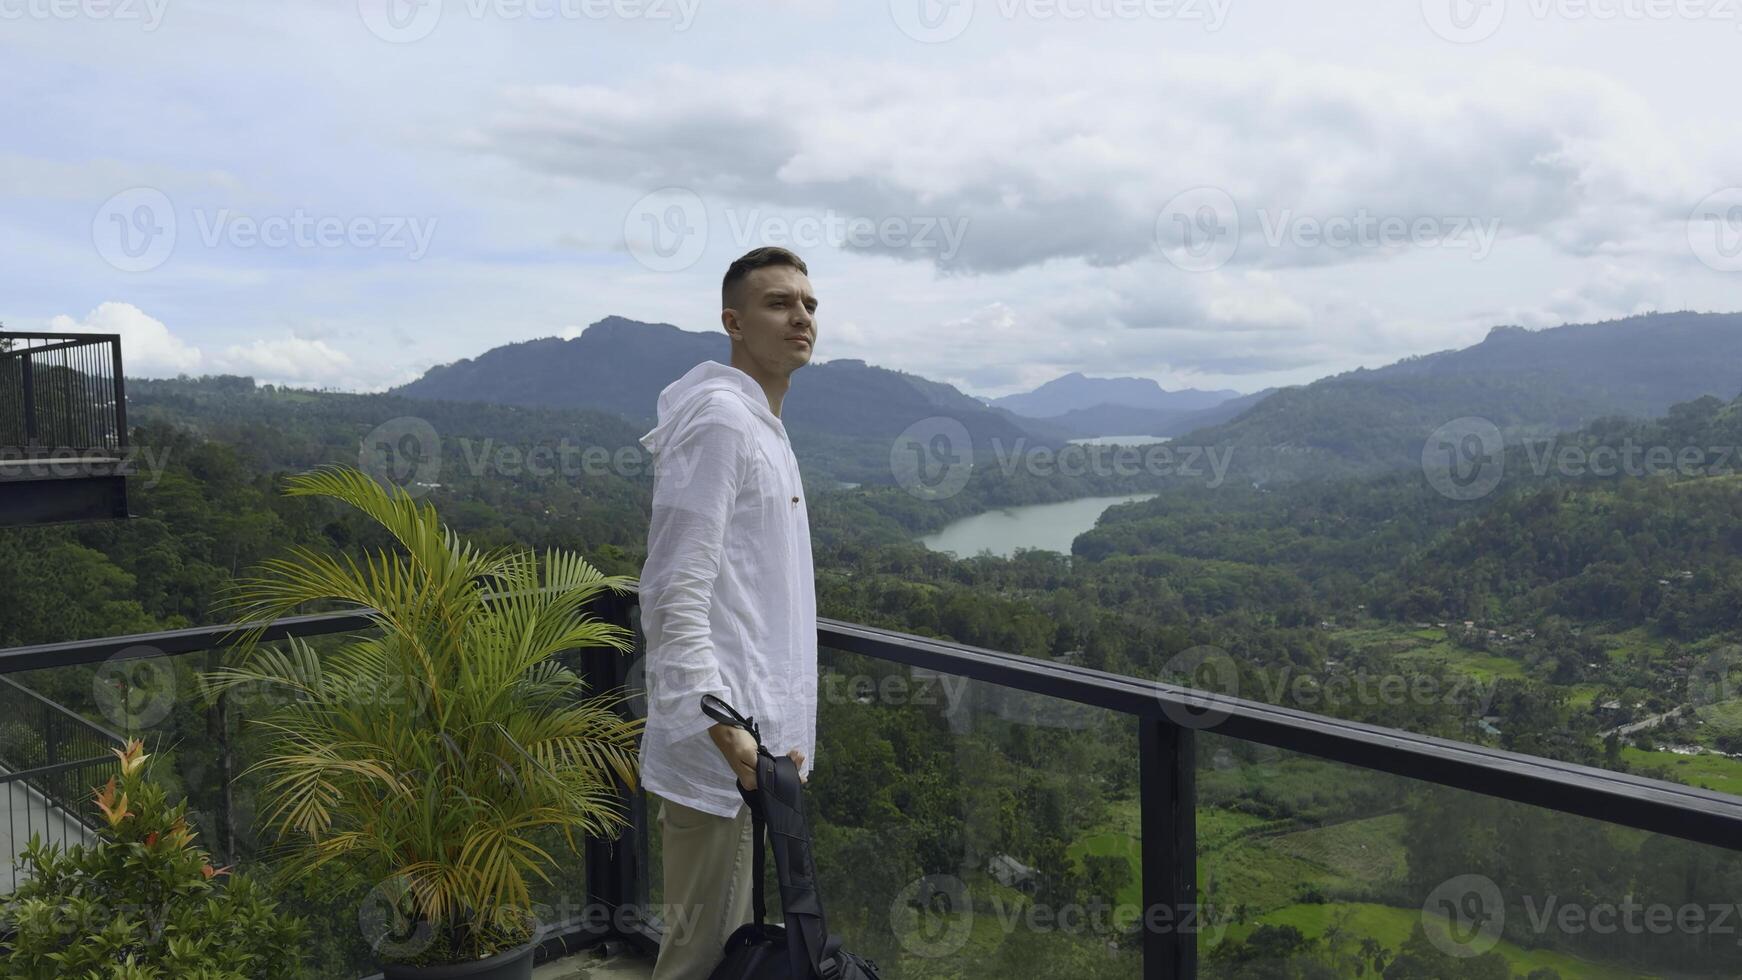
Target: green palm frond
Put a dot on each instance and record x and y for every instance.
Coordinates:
(445, 746)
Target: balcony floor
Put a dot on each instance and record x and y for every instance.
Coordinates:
(587, 966)
(27, 811)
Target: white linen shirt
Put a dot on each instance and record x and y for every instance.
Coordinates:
(728, 594)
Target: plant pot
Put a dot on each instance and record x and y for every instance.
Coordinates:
(512, 964)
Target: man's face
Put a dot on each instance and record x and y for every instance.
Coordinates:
(774, 308)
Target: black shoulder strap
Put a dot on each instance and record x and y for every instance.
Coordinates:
(794, 864)
(777, 820)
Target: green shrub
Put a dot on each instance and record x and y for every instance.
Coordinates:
(142, 902)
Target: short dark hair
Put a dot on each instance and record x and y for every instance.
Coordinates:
(756, 258)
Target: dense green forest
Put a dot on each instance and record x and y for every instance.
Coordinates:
(1541, 616)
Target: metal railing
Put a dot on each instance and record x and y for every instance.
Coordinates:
(61, 392)
(49, 760)
(617, 870)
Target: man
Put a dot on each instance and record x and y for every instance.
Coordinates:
(728, 602)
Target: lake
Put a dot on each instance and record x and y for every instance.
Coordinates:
(1049, 526)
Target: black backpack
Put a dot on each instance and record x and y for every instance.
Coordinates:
(803, 949)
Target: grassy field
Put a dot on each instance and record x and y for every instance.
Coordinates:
(1391, 926)
(1432, 644)
(1714, 772)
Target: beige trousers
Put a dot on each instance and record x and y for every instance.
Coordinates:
(708, 862)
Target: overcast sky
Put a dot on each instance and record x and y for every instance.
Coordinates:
(1212, 193)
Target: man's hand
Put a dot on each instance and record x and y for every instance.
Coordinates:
(739, 749)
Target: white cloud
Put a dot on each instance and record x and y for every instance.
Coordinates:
(287, 360)
(1045, 160)
(148, 349)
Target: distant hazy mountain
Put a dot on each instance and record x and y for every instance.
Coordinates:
(1076, 392)
(1523, 381)
(1124, 420)
(621, 365)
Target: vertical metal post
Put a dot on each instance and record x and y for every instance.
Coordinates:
(120, 398)
(1170, 849)
(616, 868)
(25, 366)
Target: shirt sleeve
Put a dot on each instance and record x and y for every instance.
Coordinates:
(696, 480)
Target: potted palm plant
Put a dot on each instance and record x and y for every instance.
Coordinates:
(440, 752)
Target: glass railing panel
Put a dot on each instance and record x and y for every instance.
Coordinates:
(1309, 868)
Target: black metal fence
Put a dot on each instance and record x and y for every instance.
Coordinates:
(61, 392)
(50, 759)
(618, 871)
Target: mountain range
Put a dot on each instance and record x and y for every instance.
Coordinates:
(1524, 381)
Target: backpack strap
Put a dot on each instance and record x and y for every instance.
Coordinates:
(794, 864)
(777, 819)
(725, 714)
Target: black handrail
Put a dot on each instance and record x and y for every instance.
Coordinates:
(1167, 763)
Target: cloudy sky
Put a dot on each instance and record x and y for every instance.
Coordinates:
(1216, 193)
